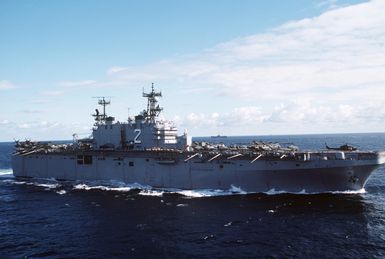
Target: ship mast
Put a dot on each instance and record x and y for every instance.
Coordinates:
(101, 117)
(153, 109)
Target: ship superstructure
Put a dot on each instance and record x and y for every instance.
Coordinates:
(148, 151)
(143, 132)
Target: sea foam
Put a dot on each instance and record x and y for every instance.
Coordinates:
(146, 190)
(6, 172)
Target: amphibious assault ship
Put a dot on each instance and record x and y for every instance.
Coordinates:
(148, 151)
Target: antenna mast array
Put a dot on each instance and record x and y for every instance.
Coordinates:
(153, 108)
(103, 102)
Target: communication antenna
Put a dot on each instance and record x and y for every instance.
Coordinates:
(128, 114)
(103, 102)
(153, 108)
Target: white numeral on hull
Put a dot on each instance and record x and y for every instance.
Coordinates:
(136, 140)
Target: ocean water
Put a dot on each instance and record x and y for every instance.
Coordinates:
(49, 219)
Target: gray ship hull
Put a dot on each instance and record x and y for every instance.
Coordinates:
(173, 171)
(148, 151)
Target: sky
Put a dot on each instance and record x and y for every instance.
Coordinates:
(230, 67)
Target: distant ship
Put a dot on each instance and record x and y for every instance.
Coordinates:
(149, 151)
(218, 136)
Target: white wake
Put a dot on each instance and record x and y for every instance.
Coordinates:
(63, 188)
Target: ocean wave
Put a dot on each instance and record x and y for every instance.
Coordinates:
(233, 190)
(274, 192)
(360, 191)
(61, 192)
(6, 172)
(304, 192)
(110, 186)
(37, 184)
(146, 190)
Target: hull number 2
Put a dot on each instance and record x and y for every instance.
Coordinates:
(136, 139)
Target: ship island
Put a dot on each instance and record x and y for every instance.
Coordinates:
(148, 151)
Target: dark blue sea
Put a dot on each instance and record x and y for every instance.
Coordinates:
(48, 219)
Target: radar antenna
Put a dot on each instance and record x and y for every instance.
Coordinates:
(153, 109)
(103, 102)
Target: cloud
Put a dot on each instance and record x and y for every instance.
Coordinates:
(40, 125)
(77, 83)
(52, 93)
(324, 72)
(329, 4)
(241, 116)
(326, 68)
(289, 118)
(6, 85)
(300, 112)
(40, 101)
(342, 50)
(29, 111)
(41, 130)
(115, 70)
